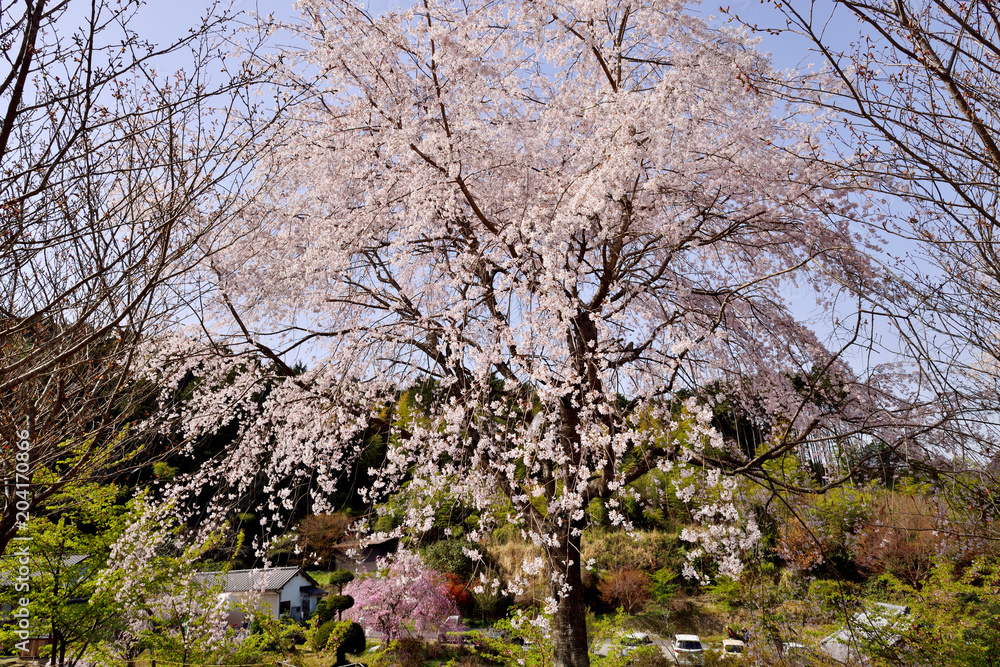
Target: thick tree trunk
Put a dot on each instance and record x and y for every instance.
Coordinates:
(569, 625)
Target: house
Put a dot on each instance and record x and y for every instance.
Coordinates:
(367, 554)
(284, 590)
(879, 624)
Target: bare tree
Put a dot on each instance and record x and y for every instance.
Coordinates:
(917, 91)
(113, 183)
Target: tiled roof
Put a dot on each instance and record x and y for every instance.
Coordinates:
(273, 579)
(9, 565)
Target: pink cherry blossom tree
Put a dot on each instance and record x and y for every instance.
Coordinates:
(551, 217)
(404, 596)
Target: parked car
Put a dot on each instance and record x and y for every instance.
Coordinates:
(633, 640)
(688, 650)
(732, 648)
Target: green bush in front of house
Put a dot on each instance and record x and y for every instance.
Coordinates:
(340, 638)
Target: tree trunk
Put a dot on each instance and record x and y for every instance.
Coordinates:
(569, 625)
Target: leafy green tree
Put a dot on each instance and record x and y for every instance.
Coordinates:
(340, 638)
(955, 619)
(65, 550)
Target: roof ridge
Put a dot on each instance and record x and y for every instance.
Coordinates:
(251, 569)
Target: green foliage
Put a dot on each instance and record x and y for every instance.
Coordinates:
(449, 556)
(340, 638)
(164, 471)
(830, 594)
(729, 593)
(333, 605)
(65, 555)
(340, 578)
(182, 609)
(405, 652)
(515, 641)
(657, 507)
(352, 641)
(322, 636)
(283, 635)
(664, 585)
(955, 620)
(250, 651)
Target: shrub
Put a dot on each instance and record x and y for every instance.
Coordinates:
(905, 551)
(458, 590)
(647, 656)
(340, 578)
(322, 636)
(830, 594)
(340, 638)
(281, 635)
(664, 585)
(405, 652)
(730, 593)
(333, 605)
(628, 589)
(353, 641)
(450, 556)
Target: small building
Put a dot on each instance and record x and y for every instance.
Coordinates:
(366, 558)
(284, 590)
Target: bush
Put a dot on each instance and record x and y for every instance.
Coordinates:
(648, 656)
(353, 641)
(628, 589)
(664, 585)
(830, 594)
(283, 634)
(459, 591)
(449, 556)
(333, 605)
(322, 636)
(340, 638)
(340, 578)
(729, 593)
(405, 652)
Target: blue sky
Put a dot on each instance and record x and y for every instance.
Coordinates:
(161, 20)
